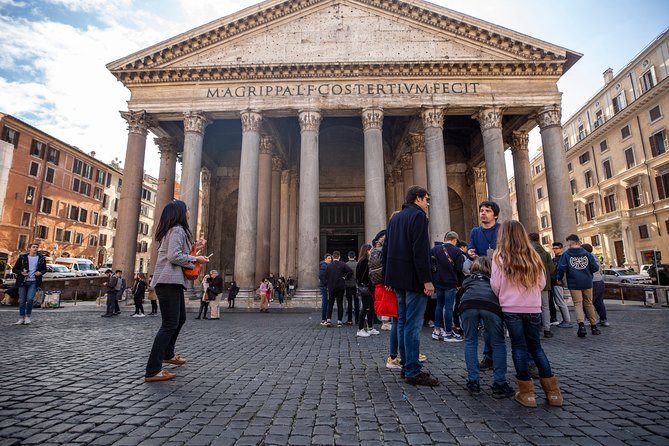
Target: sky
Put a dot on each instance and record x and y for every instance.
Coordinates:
(53, 53)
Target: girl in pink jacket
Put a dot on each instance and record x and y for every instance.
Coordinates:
(517, 278)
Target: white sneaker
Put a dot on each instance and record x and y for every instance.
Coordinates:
(431, 324)
(19, 322)
(436, 335)
(141, 315)
(452, 337)
(362, 334)
(135, 315)
(386, 326)
(373, 331)
(26, 320)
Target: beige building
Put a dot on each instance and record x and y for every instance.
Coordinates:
(304, 122)
(618, 162)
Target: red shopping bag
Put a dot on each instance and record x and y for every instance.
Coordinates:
(385, 302)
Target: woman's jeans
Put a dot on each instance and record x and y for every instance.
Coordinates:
(394, 342)
(495, 328)
(173, 313)
(366, 301)
(524, 331)
(444, 310)
(139, 307)
(280, 296)
(27, 297)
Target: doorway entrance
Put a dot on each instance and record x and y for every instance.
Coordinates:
(342, 228)
(343, 244)
(620, 252)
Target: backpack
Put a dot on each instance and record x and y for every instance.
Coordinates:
(376, 265)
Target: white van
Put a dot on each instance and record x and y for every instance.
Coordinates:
(81, 267)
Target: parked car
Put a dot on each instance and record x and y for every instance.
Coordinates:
(54, 271)
(80, 267)
(624, 275)
(105, 267)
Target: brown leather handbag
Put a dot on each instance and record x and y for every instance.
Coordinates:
(194, 273)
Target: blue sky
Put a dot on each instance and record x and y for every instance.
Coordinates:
(53, 53)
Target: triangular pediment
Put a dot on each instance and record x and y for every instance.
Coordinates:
(278, 35)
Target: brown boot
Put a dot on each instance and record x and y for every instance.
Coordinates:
(552, 391)
(525, 394)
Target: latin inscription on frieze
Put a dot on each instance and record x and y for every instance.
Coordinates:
(352, 89)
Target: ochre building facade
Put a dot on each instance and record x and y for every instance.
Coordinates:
(305, 121)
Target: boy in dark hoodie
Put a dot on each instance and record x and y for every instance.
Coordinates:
(579, 266)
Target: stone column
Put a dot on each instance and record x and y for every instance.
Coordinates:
(131, 193)
(293, 188)
(165, 189)
(419, 163)
(283, 225)
(400, 190)
(309, 211)
(275, 218)
(206, 206)
(560, 200)
(264, 208)
(526, 199)
(375, 194)
(437, 184)
(490, 120)
(390, 195)
(194, 125)
(247, 208)
(406, 163)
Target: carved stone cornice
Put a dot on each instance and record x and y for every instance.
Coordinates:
(266, 144)
(549, 117)
(372, 118)
(277, 163)
(489, 118)
(251, 121)
(195, 122)
(406, 161)
(138, 121)
(135, 69)
(309, 120)
(433, 117)
(167, 147)
(417, 142)
(519, 141)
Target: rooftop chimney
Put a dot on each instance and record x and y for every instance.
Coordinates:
(608, 76)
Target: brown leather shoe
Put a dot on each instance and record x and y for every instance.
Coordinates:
(422, 379)
(177, 360)
(163, 375)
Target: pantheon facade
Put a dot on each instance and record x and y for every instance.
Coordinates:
(303, 122)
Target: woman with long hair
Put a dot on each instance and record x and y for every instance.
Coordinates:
(138, 290)
(518, 278)
(365, 289)
(175, 241)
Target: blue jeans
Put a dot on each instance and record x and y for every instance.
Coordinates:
(524, 331)
(324, 303)
(495, 327)
(394, 341)
(411, 309)
(444, 310)
(27, 297)
(598, 298)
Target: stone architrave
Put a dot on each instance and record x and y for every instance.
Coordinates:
(560, 200)
(293, 192)
(375, 197)
(275, 215)
(195, 124)
(131, 194)
(406, 163)
(264, 208)
(309, 206)
(527, 205)
(437, 182)
(418, 161)
(165, 189)
(490, 119)
(283, 224)
(247, 208)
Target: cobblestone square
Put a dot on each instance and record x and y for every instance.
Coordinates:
(279, 378)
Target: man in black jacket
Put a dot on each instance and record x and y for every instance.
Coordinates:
(406, 269)
(336, 274)
(447, 261)
(29, 269)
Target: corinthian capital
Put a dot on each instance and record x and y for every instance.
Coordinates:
(277, 163)
(195, 122)
(489, 117)
(138, 121)
(479, 174)
(433, 117)
(417, 142)
(549, 117)
(372, 118)
(309, 120)
(251, 121)
(167, 147)
(406, 161)
(266, 144)
(519, 141)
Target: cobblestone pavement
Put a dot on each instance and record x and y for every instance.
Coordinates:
(280, 378)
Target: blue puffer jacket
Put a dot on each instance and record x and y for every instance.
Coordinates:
(579, 265)
(321, 274)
